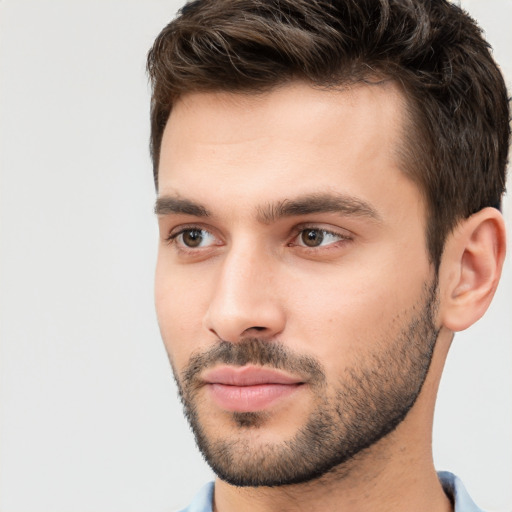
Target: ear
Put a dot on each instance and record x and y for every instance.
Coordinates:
(471, 268)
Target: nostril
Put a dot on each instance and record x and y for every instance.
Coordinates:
(255, 328)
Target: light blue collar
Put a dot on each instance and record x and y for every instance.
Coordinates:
(452, 485)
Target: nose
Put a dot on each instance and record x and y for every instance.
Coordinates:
(245, 299)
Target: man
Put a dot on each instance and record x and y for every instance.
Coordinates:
(329, 178)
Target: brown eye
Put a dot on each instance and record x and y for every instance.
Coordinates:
(192, 237)
(312, 237)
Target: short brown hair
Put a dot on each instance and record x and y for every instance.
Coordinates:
(457, 151)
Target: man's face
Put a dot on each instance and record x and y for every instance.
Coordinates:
(293, 288)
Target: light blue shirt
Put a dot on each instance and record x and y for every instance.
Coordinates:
(452, 486)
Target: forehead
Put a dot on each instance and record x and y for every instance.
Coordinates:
(295, 139)
(299, 109)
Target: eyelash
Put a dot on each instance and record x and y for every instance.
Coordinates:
(171, 239)
(342, 238)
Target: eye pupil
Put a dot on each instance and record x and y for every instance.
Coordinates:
(192, 237)
(312, 237)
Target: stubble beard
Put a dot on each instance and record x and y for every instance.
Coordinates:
(371, 399)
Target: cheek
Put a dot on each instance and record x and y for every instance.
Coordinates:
(353, 310)
(180, 302)
(331, 319)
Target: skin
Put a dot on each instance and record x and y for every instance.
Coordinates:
(233, 155)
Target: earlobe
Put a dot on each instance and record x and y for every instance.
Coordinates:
(471, 268)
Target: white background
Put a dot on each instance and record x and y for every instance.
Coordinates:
(89, 417)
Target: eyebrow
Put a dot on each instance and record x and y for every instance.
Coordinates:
(168, 205)
(271, 212)
(317, 203)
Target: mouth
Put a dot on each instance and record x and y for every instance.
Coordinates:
(249, 388)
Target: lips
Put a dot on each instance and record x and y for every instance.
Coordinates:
(249, 388)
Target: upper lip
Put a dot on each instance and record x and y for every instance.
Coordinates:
(247, 376)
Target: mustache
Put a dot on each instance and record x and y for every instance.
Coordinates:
(252, 351)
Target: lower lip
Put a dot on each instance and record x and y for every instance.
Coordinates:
(250, 398)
